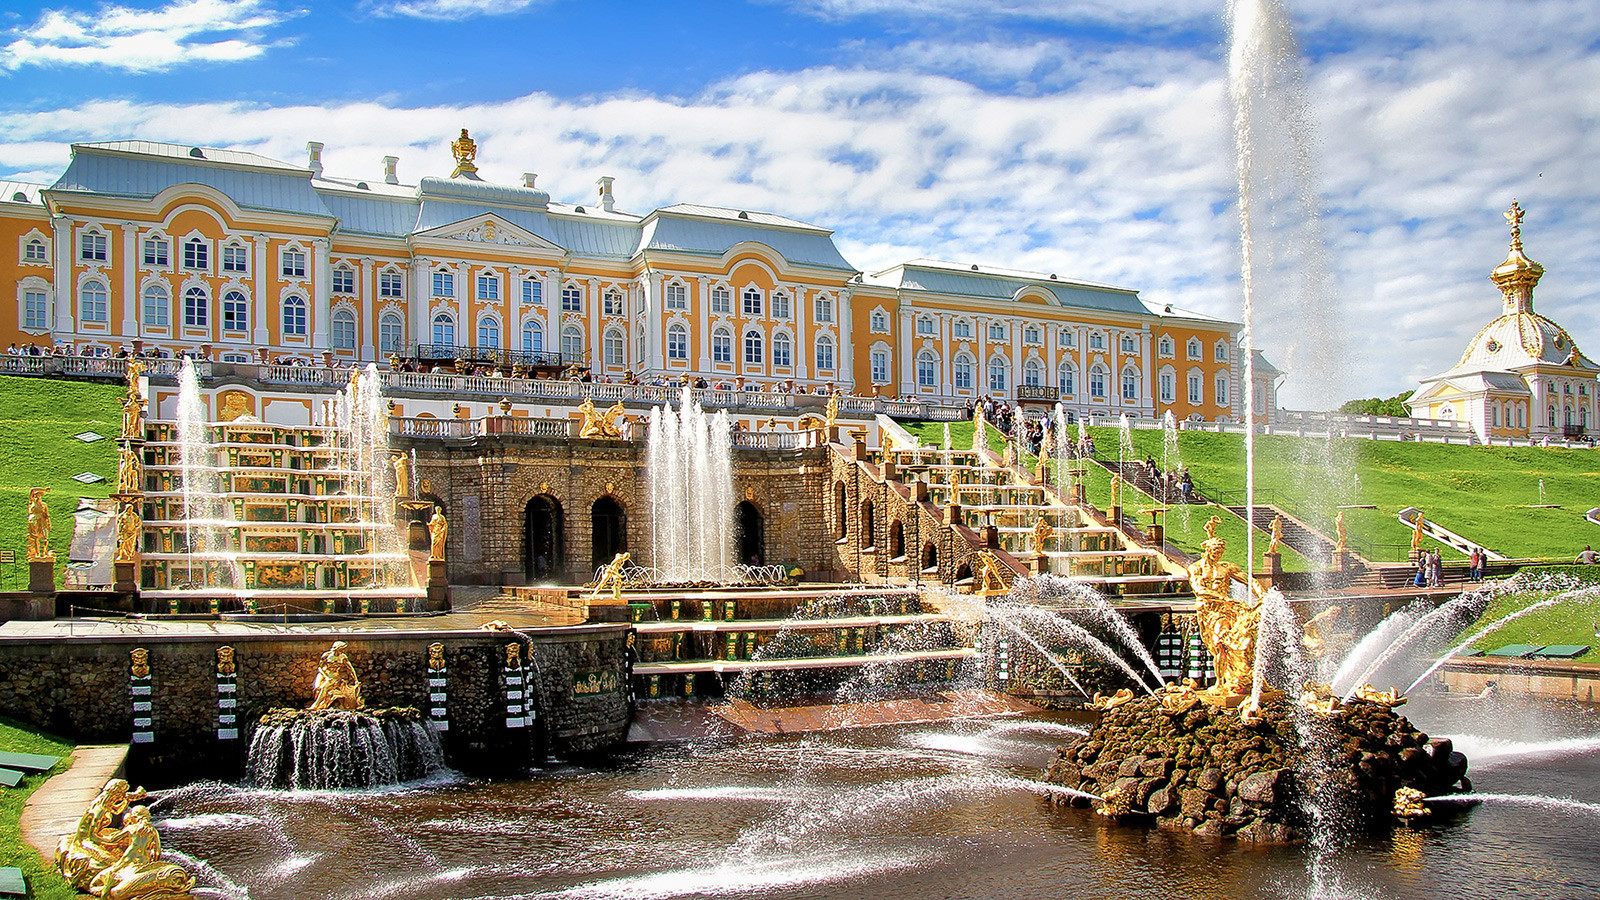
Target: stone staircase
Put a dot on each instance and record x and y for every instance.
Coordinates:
(1296, 535)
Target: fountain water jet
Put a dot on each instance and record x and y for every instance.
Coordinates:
(689, 469)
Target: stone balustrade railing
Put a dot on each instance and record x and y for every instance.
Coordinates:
(461, 429)
(108, 367)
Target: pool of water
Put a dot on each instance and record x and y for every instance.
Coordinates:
(915, 811)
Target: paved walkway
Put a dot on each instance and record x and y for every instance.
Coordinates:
(55, 808)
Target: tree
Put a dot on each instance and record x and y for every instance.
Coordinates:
(1394, 406)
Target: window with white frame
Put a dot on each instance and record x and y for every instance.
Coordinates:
(292, 263)
(782, 351)
(997, 331)
(444, 283)
(754, 351)
(1097, 382)
(677, 296)
(532, 337)
(1165, 346)
(750, 301)
(92, 246)
(721, 300)
(822, 308)
(196, 254)
(961, 372)
(488, 286)
(611, 303)
(1067, 380)
(33, 251)
(1030, 335)
(1130, 344)
(999, 374)
(342, 330)
(780, 305)
(294, 316)
(572, 298)
(1097, 340)
(824, 354)
(344, 280)
(961, 328)
(196, 308)
(678, 343)
(488, 333)
(1222, 389)
(1195, 389)
(391, 334)
(157, 306)
(236, 260)
(880, 366)
(1168, 387)
(1033, 373)
(925, 325)
(391, 285)
(35, 310)
(611, 346)
(1222, 351)
(927, 370)
(155, 251)
(879, 321)
(572, 344)
(444, 329)
(92, 302)
(532, 293)
(1192, 348)
(722, 346)
(235, 312)
(1130, 385)
(1068, 337)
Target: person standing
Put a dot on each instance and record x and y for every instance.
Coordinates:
(1588, 557)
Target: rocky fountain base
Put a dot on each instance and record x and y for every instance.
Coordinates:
(341, 748)
(1180, 764)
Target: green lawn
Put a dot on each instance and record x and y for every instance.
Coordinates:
(38, 418)
(43, 882)
(1568, 622)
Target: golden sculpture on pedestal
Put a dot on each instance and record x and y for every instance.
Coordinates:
(1311, 636)
(1417, 526)
(130, 524)
(465, 150)
(225, 664)
(139, 662)
(336, 684)
(1043, 533)
(513, 656)
(991, 582)
(831, 416)
(611, 578)
(1277, 534)
(98, 841)
(436, 657)
(130, 472)
(139, 873)
(39, 527)
(597, 424)
(438, 535)
(1340, 534)
(1116, 489)
(1228, 626)
(402, 475)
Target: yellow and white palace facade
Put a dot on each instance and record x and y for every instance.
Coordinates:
(242, 258)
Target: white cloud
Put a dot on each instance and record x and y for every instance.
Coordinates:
(142, 40)
(453, 9)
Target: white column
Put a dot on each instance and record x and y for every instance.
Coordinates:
(369, 323)
(61, 297)
(906, 349)
(702, 286)
(466, 333)
(804, 332)
(847, 345)
(321, 291)
(654, 322)
(417, 288)
(130, 282)
(259, 333)
(591, 341)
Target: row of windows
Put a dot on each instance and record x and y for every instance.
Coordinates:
(195, 254)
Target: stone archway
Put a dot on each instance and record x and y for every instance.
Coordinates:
(897, 539)
(609, 530)
(841, 510)
(751, 531)
(930, 556)
(544, 539)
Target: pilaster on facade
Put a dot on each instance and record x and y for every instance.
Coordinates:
(61, 298)
(417, 299)
(369, 323)
(130, 275)
(259, 333)
(322, 294)
(654, 321)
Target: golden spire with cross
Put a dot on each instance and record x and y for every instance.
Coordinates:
(1514, 217)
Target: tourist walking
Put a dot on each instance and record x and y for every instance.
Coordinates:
(1588, 557)
(1435, 570)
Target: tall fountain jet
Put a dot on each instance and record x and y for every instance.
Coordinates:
(689, 469)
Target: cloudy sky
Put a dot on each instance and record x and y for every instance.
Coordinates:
(1090, 139)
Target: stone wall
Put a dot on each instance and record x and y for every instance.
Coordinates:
(82, 688)
(487, 483)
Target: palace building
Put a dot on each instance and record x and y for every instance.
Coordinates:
(1523, 375)
(241, 258)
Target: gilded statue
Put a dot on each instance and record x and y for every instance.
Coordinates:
(1043, 533)
(1417, 526)
(1116, 488)
(1340, 533)
(132, 415)
(129, 527)
(438, 535)
(436, 657)
(130, 472)
(991, 582)
(139, 662)
(39, 527)
(611, 422)
(225, 663)
(402, 475)
(1390, 698)
(1228, 626)
(465, 150)
(830, 417)
(1277, 534)
(1311, 636)
(336, 685)
(980, 429)
(612, 577)
(139, 873)
(601, 425)
(98, 841)
(513, 656)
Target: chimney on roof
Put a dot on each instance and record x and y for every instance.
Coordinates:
(389, 176)
(314, 158)
(607, 202)
(528, 178)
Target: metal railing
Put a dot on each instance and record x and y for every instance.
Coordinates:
(549, 359)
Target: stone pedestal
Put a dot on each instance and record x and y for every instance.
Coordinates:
(1156, 533)
(1041, 564)
(1341, 560)
(438, 587)
(125, 578)
(42, 576)
(889, 472)
(1114, 516)
(1271, 570)
(952, 513)
(1075, 495)
(991, 537)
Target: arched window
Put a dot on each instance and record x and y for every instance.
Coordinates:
(1169, 387)
(572, 345)
(611, 346)
(925, 325)
(532, 337)
(1165, 345)
(997, 331)
(722, 346)
(963, 372)
(157, 305)
(611, 303)
(1193, 348)
(1552, 417)
(1222, 351)
(961, 328)
(752, 348)
(897, 539)
(235, 312)
(1033, 373)
(782, 351)
(1030, 335)
(343, 330)
(33, 251)
(677, 341)
(196, 254)
(1068, 337)
(780, 305)
(1097, 340)
(196, 308)
(1130, 384)
(1097, 382)
(869, 530)
(444, 329)
(1130, 344)
(927, 370)
(751, 301)
(391, 334)
(92, 302)
(677, 296)
(344, 278)
(825, 354)
(488, 333)
(880, 320)
(1066, 380)
(721, 300)
(999, 374)
(294, 316)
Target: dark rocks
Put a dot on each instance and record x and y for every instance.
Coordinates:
(1261, 788)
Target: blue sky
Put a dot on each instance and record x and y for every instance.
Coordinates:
(1085, 138)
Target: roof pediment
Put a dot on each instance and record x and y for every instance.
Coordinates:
(489, 229)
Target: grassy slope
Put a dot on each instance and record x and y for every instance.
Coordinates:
(43, 882)
(38, 418)
(1572, 621)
